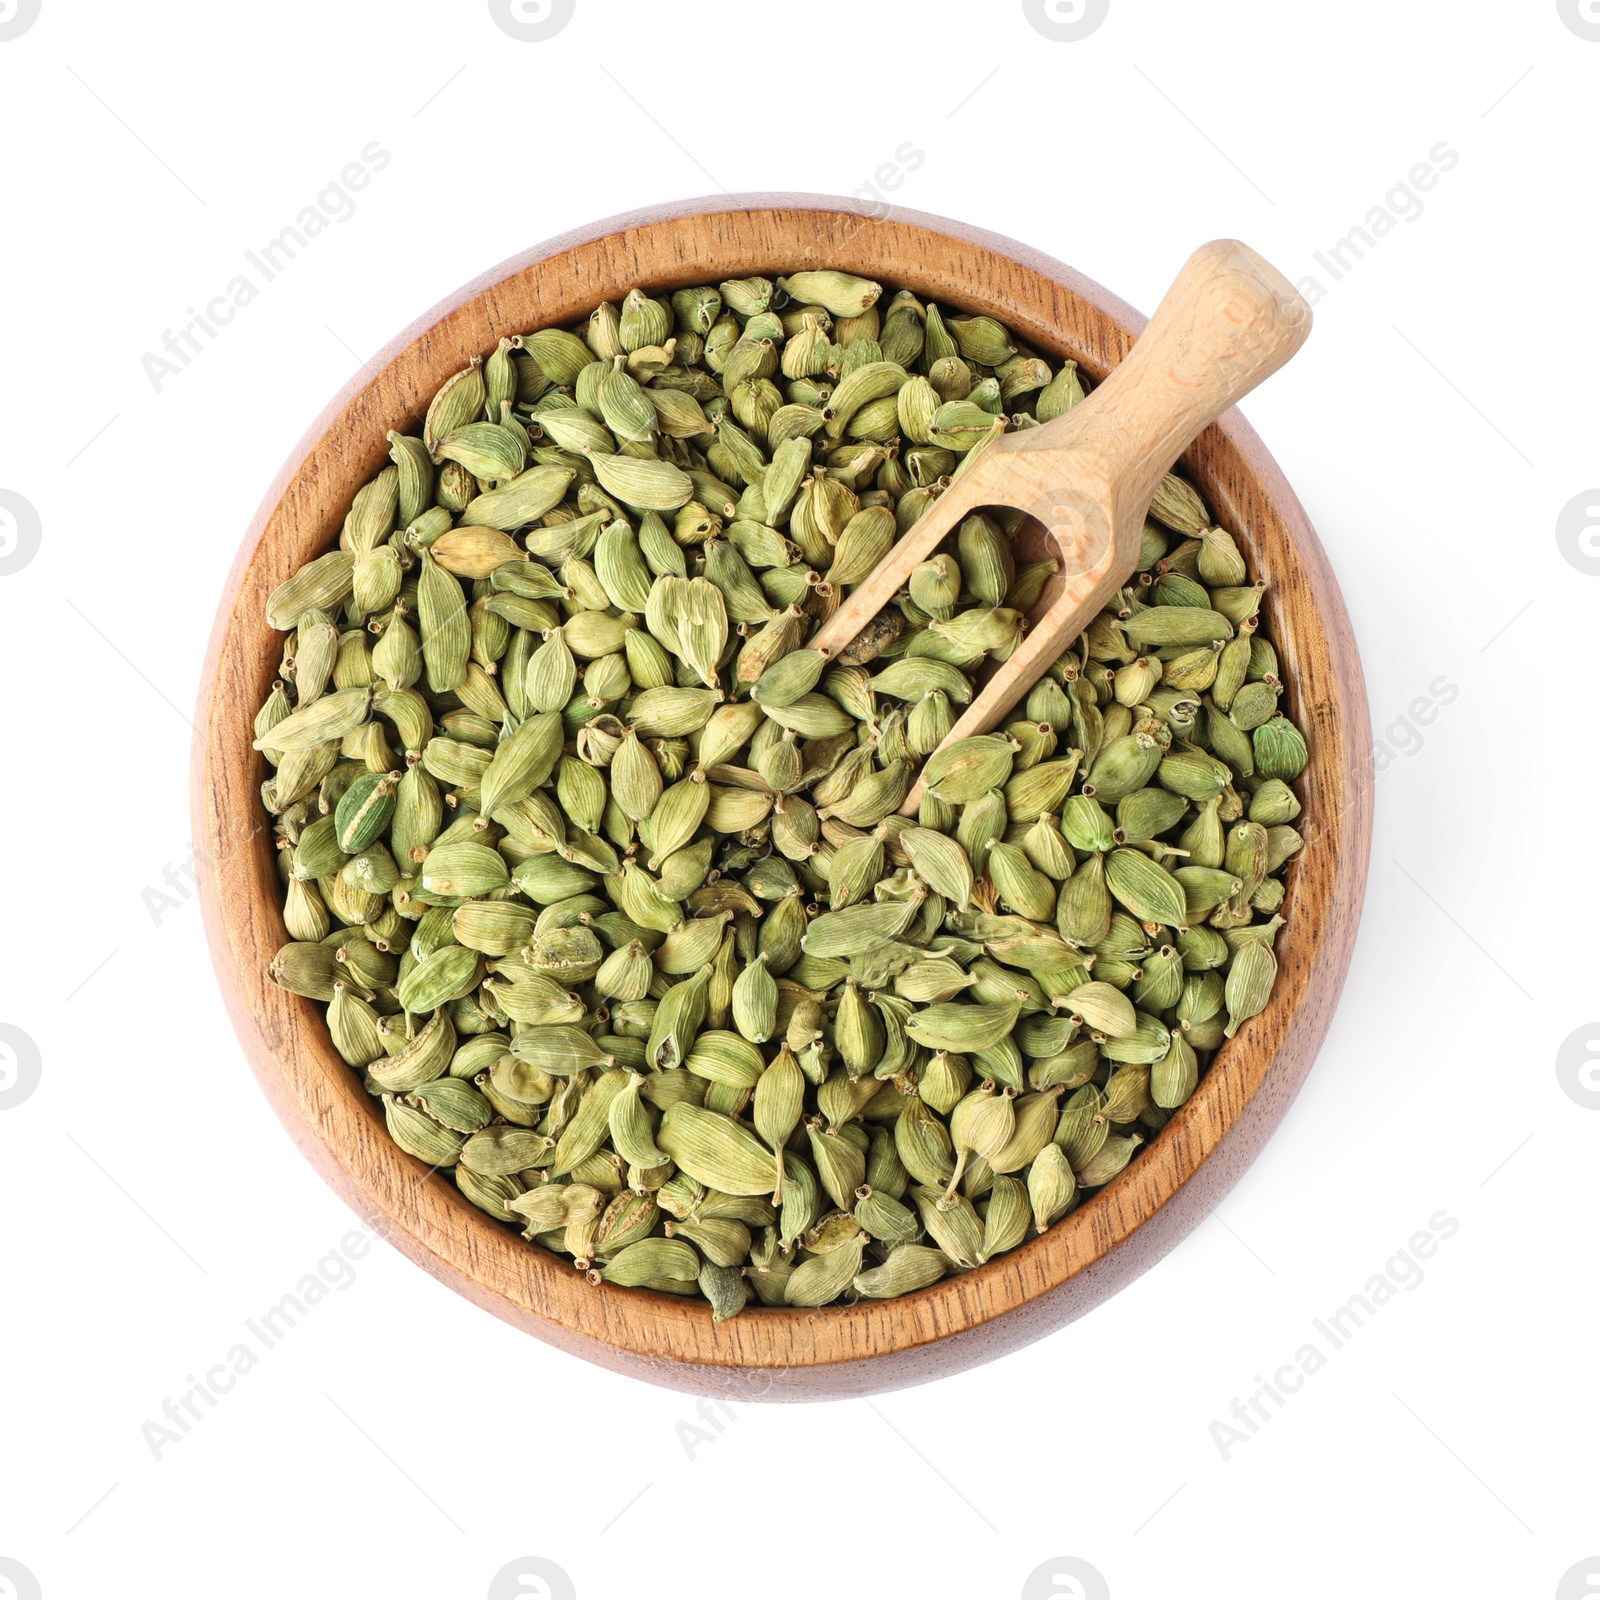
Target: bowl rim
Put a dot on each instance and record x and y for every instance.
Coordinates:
(1172, 1185)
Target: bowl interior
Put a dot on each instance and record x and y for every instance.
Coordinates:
(1171, 1185)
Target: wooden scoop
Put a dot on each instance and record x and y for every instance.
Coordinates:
(1086, 478)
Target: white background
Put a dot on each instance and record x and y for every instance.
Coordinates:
(402, 1442)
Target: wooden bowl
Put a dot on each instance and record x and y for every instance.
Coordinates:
(1170, 1188)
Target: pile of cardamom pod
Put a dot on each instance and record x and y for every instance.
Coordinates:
(599, 870)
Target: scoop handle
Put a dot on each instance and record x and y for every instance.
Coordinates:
(1229, 320)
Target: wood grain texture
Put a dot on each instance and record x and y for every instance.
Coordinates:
(1171, 1186)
